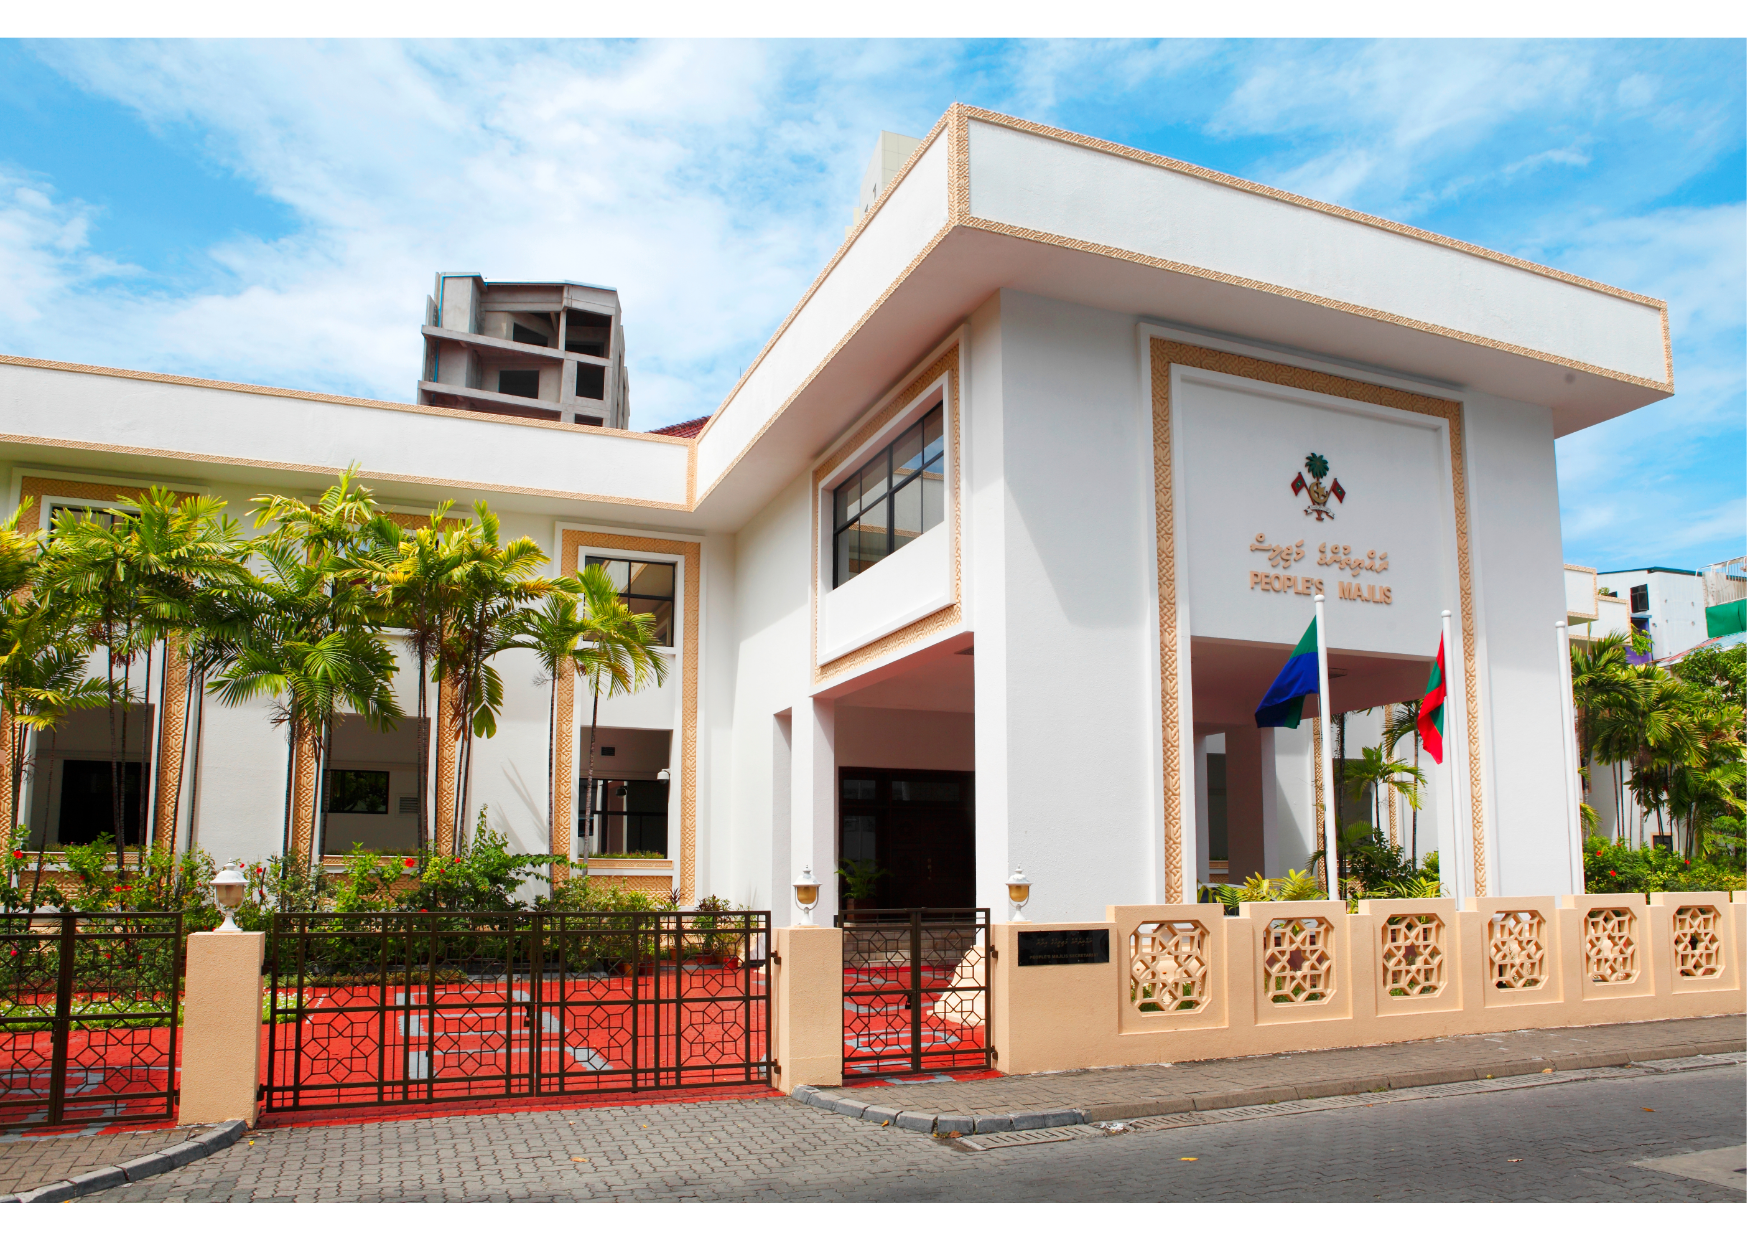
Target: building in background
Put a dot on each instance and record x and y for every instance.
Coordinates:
(554, 352)
(890, 152)
(1666, 603)
(996, 544)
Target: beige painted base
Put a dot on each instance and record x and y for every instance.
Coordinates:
(221, 1032)
(1057, 1017)
(807, 1006)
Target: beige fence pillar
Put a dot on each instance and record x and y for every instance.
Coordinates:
(807, 1007)
(221, 1030)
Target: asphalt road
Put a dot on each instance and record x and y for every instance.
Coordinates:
(1571, 1141)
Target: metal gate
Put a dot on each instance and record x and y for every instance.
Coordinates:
(88, 1016)
(916, 989)
(389, 1009)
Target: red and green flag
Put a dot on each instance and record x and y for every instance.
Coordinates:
(1432, 708)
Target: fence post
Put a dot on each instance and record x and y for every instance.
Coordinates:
(807, 1001)
(221, 1032)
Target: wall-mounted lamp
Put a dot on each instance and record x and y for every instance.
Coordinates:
(228, 887)
(662, 775)
(806, 894)
(1019, 893)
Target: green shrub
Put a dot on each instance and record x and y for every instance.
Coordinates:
(1611, 867)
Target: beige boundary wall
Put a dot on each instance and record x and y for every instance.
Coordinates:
(221, 1029)
(1185, 982)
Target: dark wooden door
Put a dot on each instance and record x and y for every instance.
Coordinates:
(919, 826)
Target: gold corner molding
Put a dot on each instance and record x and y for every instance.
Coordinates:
(1164, 354)
(942, 620)
(691, 555)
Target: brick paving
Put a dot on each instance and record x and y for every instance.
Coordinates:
(1117, 1093)
(1576, 1141)
(29, 1160)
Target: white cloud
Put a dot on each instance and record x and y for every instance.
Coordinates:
(44, 250)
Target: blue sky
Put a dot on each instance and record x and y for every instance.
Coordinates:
(272, 212)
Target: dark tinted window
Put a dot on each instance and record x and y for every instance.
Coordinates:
(644, 586)
(520, 383)
(358, 792)
(896, 497)
(591, 381)
(521, 335)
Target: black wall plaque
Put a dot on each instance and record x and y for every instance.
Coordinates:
(1065, 947)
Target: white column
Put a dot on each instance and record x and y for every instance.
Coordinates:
(813, 805)
(1569, 750)
(1456, 874)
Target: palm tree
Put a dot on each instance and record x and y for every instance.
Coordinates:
(620, 653)
(314, 641)
(1402, 721)
(493, 583)
(552, 631)
(421, 600)
(134, 579)
(1374, 770)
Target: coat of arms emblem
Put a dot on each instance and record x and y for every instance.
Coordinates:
(1318, 467)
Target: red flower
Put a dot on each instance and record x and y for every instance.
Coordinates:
(1612, 874)
(18, 854)
(409, 863)
(125, 887)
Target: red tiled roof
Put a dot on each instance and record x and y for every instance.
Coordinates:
(682, 430)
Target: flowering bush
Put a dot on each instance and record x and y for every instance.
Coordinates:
(1610, 867)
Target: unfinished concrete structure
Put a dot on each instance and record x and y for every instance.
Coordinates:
(549, 351)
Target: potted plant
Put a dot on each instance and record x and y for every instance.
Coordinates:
(860, 880)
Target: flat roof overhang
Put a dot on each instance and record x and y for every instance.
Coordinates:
(941, 278)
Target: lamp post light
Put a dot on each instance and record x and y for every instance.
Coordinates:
(228, 886)
(1019, 893)
(806, 894)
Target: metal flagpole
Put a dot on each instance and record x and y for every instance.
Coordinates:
(1452, 868)
(1569, 754)
(1331, 862)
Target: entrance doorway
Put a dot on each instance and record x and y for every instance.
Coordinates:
(918, 828)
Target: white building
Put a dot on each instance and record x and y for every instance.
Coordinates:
(995, 542)
(1667, 603)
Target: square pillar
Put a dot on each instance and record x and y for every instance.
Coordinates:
(813, 805)
(807, 1007)
(221, 1029)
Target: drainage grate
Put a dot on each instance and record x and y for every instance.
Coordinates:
(1035, 1136)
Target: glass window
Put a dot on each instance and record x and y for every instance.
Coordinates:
(79, 512)
(357, 792)
(646, 587)
(896, 497)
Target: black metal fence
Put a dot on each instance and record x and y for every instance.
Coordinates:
(380, 1009)
(916, 989)
(89, 1009)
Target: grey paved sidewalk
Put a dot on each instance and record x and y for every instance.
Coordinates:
(1121, 1093)
(29, 1161)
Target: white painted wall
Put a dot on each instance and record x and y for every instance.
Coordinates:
(1678, 608)
(1059, 187)
(1060, 695)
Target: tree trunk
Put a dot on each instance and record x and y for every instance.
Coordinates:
(589, 784)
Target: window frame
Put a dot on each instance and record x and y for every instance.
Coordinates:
(676, 635)
(914, 412)
(48, 504)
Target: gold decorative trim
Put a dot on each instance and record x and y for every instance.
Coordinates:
(172, 744)
(1167, 353)
(1170, 647)
(1329, 303)
(368, 475)
(1280, 195)
(330, 398)
(564, 716)
(944, 619)
(443, 816)
(303, 797)
(691, 554)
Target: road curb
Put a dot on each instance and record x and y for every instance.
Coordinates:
(221, 1136)
(958, 1123)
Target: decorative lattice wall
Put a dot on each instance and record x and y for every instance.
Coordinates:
(1297, 964)
(1699, 941)
(1412, 958)
(1517, 950)
(1611, 949)
(1168, 966)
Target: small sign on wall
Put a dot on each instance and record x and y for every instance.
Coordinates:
(1064, 947)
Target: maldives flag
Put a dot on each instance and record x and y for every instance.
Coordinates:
(1284, 704)
(1432, 708)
